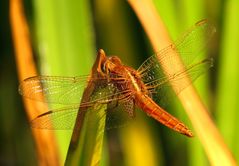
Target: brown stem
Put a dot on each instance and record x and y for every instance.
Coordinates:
(46, 148)
(217, 151)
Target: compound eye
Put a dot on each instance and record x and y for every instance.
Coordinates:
(115, 60)
(103, 68)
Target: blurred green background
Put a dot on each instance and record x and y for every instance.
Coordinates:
(65, 37)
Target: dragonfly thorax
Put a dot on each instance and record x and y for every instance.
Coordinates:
(129, 77)
(136, 82)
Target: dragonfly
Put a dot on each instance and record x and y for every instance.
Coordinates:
(121, 86)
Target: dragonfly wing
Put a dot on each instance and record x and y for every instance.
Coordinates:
(161, 89)
(69, 90)
(120, 113)
(59, 90)
(65, 118)
(53, 89)
(61, 119)
(188, 46)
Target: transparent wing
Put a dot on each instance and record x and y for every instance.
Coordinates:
(62, 119)
(69, 90)
(176, 79)
(161, 89)
(120, 113)
(65, 118)
(188, 47)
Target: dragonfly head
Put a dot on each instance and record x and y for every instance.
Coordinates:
(107, 65)
(115, 60)
(110, 64)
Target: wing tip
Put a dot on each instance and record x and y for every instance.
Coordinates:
(201, 22)
(205, 22)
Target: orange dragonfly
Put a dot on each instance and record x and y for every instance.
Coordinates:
(123, 87)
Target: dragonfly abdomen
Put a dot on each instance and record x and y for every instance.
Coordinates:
(159, 114)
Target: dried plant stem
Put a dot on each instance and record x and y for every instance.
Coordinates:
(216, 149)
(46, 148)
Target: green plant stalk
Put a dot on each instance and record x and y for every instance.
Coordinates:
(87, 137)
(228, 78)
(89, 145)
(66, 44)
